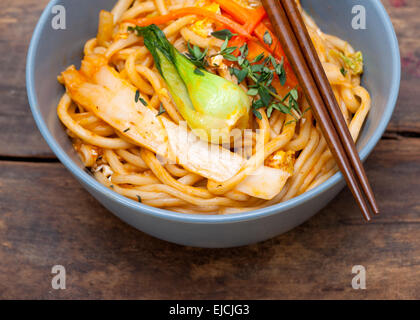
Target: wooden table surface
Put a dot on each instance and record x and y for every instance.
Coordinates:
(47, 219)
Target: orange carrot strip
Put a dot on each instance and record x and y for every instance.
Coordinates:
(255, 49)
(253, 20)
(240, 13)
(175, 14)
(237, 41)
(249, 17)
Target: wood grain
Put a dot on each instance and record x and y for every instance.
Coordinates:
(20, 137)
(42, 225)
(404, 15)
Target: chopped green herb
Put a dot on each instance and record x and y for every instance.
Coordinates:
(257, 114)
(143, 102)
(130, 29)
(267, 38)
(258, 58)
(258, 104)
(223, 34)
(137, 96)
(199, 72)
(289, 122)
(284, 109)
(265, 95)
(253, 92)
(270, 111)
(239, 74)
(244, 53)
(138, 198)
(196, 56)
(294, 94)
(281, 72)
(262, 74)
(343, 71)
(126, 130)
(283, 78)
(161, 110)
(230, 57)
(224, 45)
(226, 51)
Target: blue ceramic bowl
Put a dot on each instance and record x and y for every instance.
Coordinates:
(51, 51)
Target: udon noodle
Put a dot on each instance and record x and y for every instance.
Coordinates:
(289, 144)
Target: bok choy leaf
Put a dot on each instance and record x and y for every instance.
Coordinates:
(211, 105)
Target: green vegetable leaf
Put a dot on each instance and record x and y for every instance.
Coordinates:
(230, 57)
(267, 38)
(257, 114)
(258, 104)
(282, 108)
(258, 58)
(290, 122)
(211, 105)
(143, 101)
(239, 74)
(270, 110)
(161, 110)
(253, 92)
(294, 93)
(224, 45)
(196, 56)
(223, 34)
(198, 72)
(265, 95)
(243, 54)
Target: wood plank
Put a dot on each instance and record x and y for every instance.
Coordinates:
(20, 137)
(46, 218)
(404, 15)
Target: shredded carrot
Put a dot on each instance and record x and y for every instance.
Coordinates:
(237, 41)
(255, 22)
(175, 14)
(255, 49)
(250, 18)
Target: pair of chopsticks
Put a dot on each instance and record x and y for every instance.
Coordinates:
(298, 47)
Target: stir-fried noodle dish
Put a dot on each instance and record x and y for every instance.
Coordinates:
(191, 106)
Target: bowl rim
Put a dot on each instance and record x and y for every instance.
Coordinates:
(140, 208)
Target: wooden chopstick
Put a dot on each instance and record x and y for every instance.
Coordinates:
(290, 45)
(308, 49)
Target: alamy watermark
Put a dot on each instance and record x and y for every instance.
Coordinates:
(58, 282)
(58, 21)
(359, 20)
(359, 280)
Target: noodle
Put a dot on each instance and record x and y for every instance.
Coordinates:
(134, 171)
